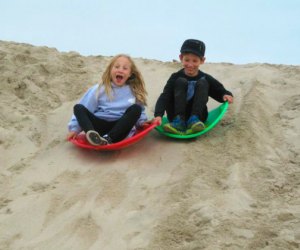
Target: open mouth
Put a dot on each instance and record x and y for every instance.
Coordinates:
(119, 78)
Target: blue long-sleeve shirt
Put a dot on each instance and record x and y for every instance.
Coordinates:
(109, 109)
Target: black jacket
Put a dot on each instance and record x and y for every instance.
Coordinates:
(216, 90)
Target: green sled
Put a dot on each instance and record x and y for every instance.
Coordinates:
(214, 116)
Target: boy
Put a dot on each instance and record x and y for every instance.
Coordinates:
(186, 93)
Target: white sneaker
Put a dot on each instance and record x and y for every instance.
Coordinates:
(95, 139)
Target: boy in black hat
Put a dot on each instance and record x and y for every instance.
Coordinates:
(186, 93)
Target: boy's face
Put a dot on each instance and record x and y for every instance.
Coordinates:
(120, 71)
(191, 63)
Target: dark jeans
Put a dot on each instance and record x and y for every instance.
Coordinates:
(116, 130)
(196, 106)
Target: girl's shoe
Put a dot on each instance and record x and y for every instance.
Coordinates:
(109, 140)
(195, 124)
(95, 139)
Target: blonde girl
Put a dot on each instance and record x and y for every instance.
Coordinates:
(112, 110)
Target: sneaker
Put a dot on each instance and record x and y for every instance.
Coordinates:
(177, 126)
(109, 140)
(195, 124)
(95, 139)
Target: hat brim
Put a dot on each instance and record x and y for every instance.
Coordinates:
(192, 52)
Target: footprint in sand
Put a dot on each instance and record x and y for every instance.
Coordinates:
(4, 202)
(41, 187)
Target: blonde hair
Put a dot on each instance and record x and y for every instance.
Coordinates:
(136, 82)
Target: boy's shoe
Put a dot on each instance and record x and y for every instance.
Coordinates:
(177, 126)
(95, 139)
(195, 124)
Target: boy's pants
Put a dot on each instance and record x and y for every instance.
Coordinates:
(116, 130)
(195, 106)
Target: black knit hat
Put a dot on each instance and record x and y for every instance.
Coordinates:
(193, 46)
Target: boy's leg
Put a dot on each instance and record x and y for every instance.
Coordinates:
(124, 125)
(196, 108)
(200, 100)
(176, 109)
(180, 95)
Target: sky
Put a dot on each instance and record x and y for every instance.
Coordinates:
(234, 31)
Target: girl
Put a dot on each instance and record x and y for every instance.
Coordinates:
(111, 111)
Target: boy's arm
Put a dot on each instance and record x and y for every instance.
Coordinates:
(216, 89)
(228, 98)
(164, 97)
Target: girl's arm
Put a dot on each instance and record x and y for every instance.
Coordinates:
(90, 101)
(143, 118)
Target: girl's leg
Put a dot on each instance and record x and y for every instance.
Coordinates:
(124, 125)
(91, 125)
(88, 121)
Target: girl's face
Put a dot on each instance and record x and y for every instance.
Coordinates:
(191, 63)
(120, 71)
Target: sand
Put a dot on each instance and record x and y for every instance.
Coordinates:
(236, 187)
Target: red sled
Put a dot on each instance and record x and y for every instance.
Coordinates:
(82, 142)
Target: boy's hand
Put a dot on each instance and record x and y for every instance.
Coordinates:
(228, 98)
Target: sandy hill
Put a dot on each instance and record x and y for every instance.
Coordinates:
(236, 187)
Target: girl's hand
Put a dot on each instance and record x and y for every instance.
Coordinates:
(156, 120)
(71, 135)
(228, 98)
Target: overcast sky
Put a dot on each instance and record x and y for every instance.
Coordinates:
(235, 31)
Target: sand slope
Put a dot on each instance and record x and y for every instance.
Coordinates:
(236, 187)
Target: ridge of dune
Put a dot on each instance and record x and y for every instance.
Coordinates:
(236, 187)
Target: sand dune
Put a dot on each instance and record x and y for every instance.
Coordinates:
(236, 187)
